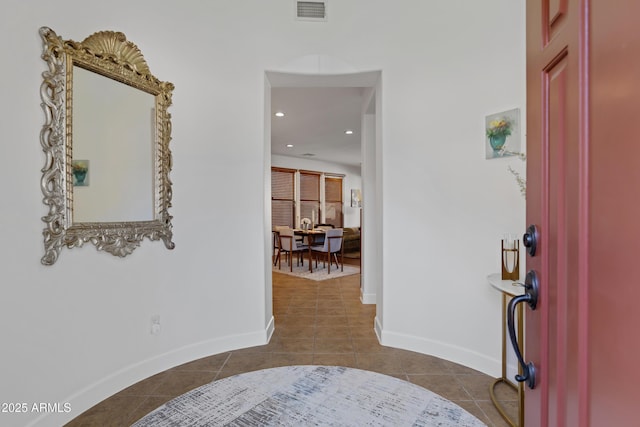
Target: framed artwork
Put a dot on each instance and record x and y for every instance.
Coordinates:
(502, 134)
(356, 198)
(80, 169)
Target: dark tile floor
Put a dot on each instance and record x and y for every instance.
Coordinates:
(319, 323)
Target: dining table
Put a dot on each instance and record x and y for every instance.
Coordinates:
(310, 235)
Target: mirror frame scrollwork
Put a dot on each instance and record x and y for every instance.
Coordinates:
(110, 54)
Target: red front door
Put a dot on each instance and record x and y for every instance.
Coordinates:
(583, 176)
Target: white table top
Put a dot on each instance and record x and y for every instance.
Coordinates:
(505, 286)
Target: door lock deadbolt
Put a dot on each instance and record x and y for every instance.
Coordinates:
(530, 239)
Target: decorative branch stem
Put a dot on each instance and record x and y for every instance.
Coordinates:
(522, 182)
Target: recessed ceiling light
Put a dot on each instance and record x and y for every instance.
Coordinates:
(279, 114)
(348, 132)
(289, 145)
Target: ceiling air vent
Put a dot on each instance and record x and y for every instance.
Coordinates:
(311, 10)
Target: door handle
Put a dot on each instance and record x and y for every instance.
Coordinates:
(530, 296)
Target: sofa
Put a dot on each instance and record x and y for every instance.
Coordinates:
(351, 239)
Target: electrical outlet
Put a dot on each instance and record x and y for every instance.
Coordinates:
(155, 324)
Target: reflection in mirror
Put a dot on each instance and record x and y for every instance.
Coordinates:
(106, 139)
(121, 173)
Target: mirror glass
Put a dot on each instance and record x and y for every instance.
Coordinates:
(106, 140)
(112, 150)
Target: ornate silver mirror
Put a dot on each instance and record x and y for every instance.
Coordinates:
(106, 140)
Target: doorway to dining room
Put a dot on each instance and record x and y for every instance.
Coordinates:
(345, 88)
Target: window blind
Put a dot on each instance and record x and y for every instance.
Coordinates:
(333, 201)
(282, 196)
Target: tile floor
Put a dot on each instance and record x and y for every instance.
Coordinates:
(319, 323)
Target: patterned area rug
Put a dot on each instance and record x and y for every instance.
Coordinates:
(319, 273)
(310, 395)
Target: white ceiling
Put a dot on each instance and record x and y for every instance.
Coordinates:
(315, 122)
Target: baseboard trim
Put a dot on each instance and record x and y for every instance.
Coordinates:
(271, 327)
(112, 384)
(367, 298)
(463, 356)
(377, 327)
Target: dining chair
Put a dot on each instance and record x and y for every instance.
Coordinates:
(289, 245)
(320, 239)
(276, 242)
(330, 248)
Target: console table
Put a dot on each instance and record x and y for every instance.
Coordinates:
(510, 366)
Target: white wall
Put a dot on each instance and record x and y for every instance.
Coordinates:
(79, 331)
